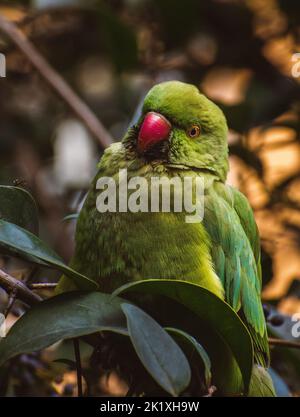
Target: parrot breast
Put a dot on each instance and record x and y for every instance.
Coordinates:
(119, 247)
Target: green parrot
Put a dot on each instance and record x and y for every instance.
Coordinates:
(180, 133)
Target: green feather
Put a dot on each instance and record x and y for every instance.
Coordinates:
(229, 212)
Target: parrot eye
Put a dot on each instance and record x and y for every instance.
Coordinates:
(194, 131)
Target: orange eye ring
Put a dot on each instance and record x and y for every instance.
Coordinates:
(194, 131)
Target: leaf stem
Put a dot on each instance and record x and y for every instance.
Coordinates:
(78, 366)
(11, 284)
(11, 299)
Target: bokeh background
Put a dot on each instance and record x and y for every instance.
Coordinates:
(239, 53)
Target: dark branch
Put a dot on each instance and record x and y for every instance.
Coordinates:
(78, 367)
(12, 285)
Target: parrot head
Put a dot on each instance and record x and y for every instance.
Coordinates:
(182, 128)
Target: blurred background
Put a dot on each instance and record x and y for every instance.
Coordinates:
(241, 54)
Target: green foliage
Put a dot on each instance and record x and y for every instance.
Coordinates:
(211, 310)
(80, 313)
(18, 206)
(194, 351)
(18, 241)
(161, 356)
(62, 317)
(76, 314)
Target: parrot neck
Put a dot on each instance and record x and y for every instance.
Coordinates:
(129, 143)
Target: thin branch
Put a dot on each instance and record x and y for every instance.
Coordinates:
(284, 343)
(12, 285)
(78, 367)
(13, 294)
(58, 84)
(11, 299)
(43, 286)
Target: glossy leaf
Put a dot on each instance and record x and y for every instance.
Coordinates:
(192, 349)
(61, 317)
(217, 314)
(158, 352)
(18, 206)
(18, 241)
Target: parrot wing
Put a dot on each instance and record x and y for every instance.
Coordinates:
(229, 220)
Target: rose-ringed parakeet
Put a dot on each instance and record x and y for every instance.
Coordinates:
(179, 133)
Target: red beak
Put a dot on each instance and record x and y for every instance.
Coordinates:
(155, 128)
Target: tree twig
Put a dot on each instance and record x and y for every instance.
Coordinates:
(78, 366)
(58, 84)
(43, 286)
(13, 294)
(12, 285)
(11, 299)
(284, 343)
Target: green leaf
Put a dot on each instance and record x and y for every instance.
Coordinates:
(158, 352)
(18, 206)
(18, 241)
(192, 348)
(64, 316)
(212, 311)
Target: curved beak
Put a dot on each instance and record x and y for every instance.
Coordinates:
(155, 128)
